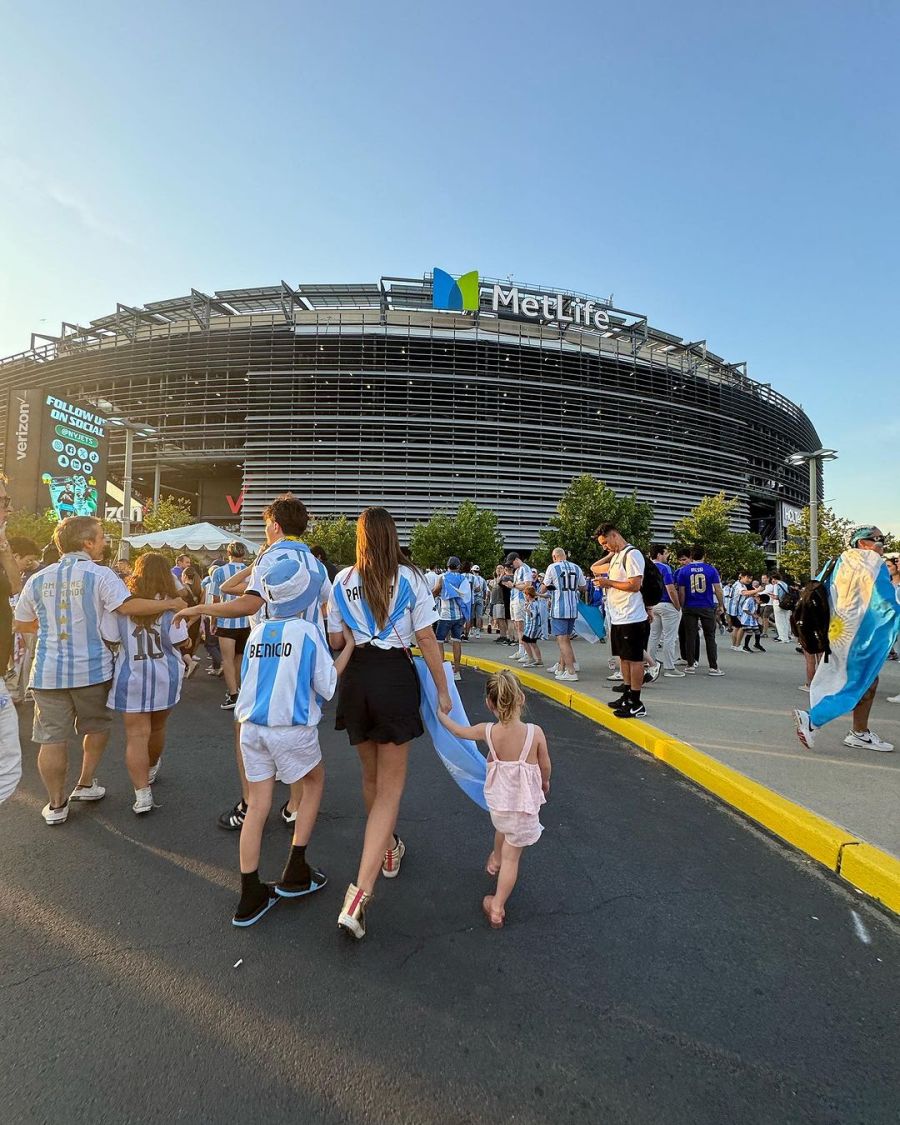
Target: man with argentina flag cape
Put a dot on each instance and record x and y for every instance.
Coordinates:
(455, 593)
(865, 622)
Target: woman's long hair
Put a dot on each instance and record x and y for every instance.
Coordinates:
(378, 559)
(152, 577)
(190, 579)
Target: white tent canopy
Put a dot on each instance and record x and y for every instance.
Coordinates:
(193, 537)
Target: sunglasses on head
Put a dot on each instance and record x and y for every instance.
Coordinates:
(874, 539)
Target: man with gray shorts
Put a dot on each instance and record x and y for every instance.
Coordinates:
(65, 604)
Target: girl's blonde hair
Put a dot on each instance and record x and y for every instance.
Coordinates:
(504, 695)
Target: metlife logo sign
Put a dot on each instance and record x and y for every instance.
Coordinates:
(464, 294)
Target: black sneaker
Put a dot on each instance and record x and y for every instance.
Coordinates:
(233, 820)
(759, 648)
(615, 704)
(248, 913)
(500, 641)
(630, 711)
(229, 703)
(288, 819)
(621, 688)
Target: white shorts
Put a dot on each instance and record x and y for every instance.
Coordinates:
(517, 610)
(287, 753)
(520, 828)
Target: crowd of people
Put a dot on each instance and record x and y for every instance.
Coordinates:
(286, 632)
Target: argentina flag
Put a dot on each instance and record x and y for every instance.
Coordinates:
(461, 757)
(591, 624)
(865, 622)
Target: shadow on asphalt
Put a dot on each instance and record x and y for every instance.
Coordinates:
(663, 961)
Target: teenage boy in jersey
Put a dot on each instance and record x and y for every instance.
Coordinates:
(64, 604)
(479, 596)
(455, 593)
(621, 577)
(522, 577)
(700, 590)
(564, 582)
(286, 672)
(286, 519)
(232, 631)
(666, 614)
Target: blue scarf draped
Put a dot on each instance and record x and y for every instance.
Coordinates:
(462, 759)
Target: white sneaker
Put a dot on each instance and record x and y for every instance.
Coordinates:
(869, 740)
(92, 792)
(576, 666)
(154, 771)
(803, 687)
(55, 816)
(681, 664)
(615, 676)
(570, 677)
(554, 669)
(143, 800)
(893, 699)
(735, 648)
(805, 731)
(457, 676)
(691, 669)
(715, 672)
(529, 664)
(674, 674)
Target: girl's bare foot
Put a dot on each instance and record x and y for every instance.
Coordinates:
(495, 917)
(492, 867)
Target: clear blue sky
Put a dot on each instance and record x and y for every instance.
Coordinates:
(732, 171)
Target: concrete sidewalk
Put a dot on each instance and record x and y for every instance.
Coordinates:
(744, 719)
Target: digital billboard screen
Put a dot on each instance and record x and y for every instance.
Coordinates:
(57, 455)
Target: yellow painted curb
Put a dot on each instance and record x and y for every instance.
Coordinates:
(873, 871)
(870, 870)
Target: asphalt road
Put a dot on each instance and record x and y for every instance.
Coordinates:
(663, 961)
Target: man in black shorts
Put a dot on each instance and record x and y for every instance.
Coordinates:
(621, 577)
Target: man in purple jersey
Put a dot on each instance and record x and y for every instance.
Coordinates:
(700, 588)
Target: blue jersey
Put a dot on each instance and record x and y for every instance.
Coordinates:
(533, 622)
(219, 577)
(70, 600)
(564, 581)
(749, 607)
(667, 578)
(149, 669)
(286, 672)
(697, 580)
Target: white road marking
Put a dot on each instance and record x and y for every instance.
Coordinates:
(861, 932)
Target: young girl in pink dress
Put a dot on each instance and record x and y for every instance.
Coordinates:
(518, 777)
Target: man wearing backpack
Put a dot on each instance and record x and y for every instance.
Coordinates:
(700, 590)
(856, 630)
(621, 577)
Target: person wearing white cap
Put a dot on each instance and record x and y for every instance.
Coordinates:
(286, 672)
(479, 597)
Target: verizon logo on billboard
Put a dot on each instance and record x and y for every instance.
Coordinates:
(22, 424)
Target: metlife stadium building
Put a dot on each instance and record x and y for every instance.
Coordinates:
(418, 394)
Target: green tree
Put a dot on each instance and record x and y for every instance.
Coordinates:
(708, 526)
(37, 527)
(834, 533)
(336, 537)
(585, 504)
(471, 533)
(169, 512)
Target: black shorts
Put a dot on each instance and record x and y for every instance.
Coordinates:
(239, 636)
(378, 697)
(531, 640)
(628, 642)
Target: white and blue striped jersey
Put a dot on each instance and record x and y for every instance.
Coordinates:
(219, 577)
(451, 608)
(267, 559)
(479, 588)
(411, 608)
(149, 669)
(286, 672)
(523, 574)
(69, 600)
(564, 580)
(533, 622)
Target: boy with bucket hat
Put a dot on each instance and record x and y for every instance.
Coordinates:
(286, 672)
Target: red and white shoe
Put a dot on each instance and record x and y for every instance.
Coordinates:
(393, 857)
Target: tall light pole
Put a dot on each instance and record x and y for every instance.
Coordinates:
(142, 431)
(813, 460)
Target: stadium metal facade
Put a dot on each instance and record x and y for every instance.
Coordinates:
(359, 394)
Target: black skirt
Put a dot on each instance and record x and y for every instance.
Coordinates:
(378, 697)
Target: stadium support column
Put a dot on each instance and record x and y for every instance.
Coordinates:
(124, 548)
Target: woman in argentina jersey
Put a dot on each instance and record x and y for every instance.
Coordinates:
(149, 669)
(388, 607)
